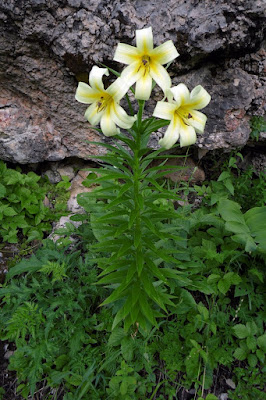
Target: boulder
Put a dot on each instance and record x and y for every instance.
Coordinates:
(47, 46)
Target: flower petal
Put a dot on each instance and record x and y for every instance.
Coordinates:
(126, 54)
(118, 89)
(199, 98)
(160, 75)
(164, 110)
(96, 76)
(120, 117)
(85, 94)
(187, 135)
(171, 134)
(181, 94)
(143, 87)
(197, 120)
(108, 126)
(144, 40)
(93, 115)
(164, 53)
(132, 73)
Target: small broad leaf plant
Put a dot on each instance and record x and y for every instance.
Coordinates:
(131, 211)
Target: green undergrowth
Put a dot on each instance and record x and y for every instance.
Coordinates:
(257, 125)
(67, 345)
(24, 217)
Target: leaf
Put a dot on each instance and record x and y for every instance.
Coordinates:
(203, 311)
(33, 234)
(2, 190)
(115, 277)
(261, 355)
(213, 278)
(117, 293)
(116, 337)
(240, 331)
(262, 342)
(230, 211)
(224, 175)
(236, 227)
(211, 396)
(240, 354)
(195, 344)
(9, 212)
(251, 343)
(228, 184)
(257, 273)
(224, 285)
(134, 312)
(150, 290)
(252, 360)
(139, 261)
(31, 265)
(137, 237)
(146, 308)
(155, 270)
(252, 328)
(124, 311)
(255, 219)
(127, 348)
(213, 327)
(246, 240)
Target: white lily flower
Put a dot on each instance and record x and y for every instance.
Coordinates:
(181, 110)
(145, 63)
(104, 108)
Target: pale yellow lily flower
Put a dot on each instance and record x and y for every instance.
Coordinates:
(145, 63)
(181, 110)
(104, 108)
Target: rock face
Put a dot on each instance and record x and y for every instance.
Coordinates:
(47, 45)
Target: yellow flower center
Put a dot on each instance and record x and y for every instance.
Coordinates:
(183, 114)
(104, 101)
(145, 61)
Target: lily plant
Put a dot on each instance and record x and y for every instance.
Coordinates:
(131, 212)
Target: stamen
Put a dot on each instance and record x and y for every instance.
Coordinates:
(145, 60)
(99, 104)
(189, 115)
(103, 103)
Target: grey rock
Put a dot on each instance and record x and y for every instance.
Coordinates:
(53, 176)
(230, 383)
(47, 45)
(259, 163)
(223, 396)
(66, 170)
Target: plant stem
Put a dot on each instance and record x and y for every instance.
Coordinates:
(137, 195)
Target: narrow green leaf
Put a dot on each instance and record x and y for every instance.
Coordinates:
(123, 312)
(150, 290)
(139, 261)
(118, 293)
(115, 277)
(155, 270)
(146, 308)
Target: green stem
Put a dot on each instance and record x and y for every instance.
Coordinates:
(137, 172)
(129, 105)
(140, 113)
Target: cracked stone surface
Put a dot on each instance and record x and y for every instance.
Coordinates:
(46, 46)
